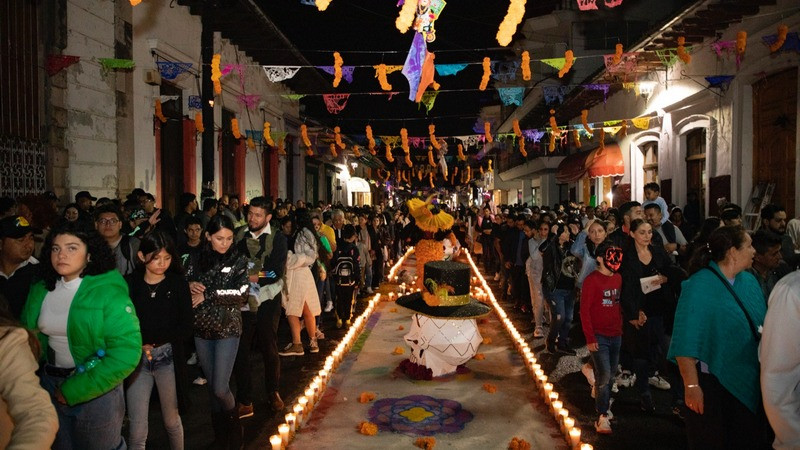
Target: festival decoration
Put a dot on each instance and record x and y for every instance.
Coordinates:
(553, 124)
(322, 5)
(250, 101)
(553, 93)
(641, 123)
(505, 71)
(515, 127)
(426, 77)
(404, 140)
(250, 143)
(135, 2)
(304, 135)
(526, 66)
(576, 138)
(228, 68)
(617, 54)
(268, 135)
(516, 10)
(337, 68)
(741, 45)
(612, 3)
(511, 95)
(389, 156)
(487, 72)
(682, 54)
(587, 5)
(443, 416)
(427, 13)
(380, 74)
(337, 137)
(449, 69)
(198, 122)
(406, 17)
(367, 428)
(335, 102)
(487, 131)
(783, 30)
(235, 128)
(461, 156)
(791, 42)
(430, 179)
(432, 135)
(159, 114)
(216, 74)
(469, 174)
(333, 150)
(568, 61)
(431, 161)
(280, 73)
(489, 166)
(623, 131)
(585, 118)
(602, 142)
(56, 63)
(552, 146)
(428, 99)
(522, 147)
(370, 140)
(719, 81)
(195, 102)
(116, 64)
(415, 60)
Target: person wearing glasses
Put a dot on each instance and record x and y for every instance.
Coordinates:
(108, 223)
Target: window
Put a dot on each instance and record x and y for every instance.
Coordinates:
(696, 163)
(650, 164)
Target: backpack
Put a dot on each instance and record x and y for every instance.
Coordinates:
(346, 270)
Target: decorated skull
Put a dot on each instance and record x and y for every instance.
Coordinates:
(442, 344)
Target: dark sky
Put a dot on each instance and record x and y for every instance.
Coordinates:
(465, 32)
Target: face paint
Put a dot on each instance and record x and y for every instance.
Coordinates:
(613, 258)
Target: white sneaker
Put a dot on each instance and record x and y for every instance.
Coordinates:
(588, 372)
(614, 387)
(370, 291)
(192, 359)
(328, 306)
(497, 276)
(200, 381)
(603, 424)
(319, 335)
(658, 382)
(625, 379)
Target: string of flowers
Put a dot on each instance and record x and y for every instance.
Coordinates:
(487, 72)
(783, 30)
(406, 17)
(487, 131)
(337, 137)
(585, 122)
(430, 157)
(461, 156)
(404, 140)
(322, 5)
(617, 54)
(389, 156)
(569, 58)
(333, 150)
(159, 114)
(304, 135)
(380, 74)
(198, 122)
(235, 128)
(370, 140)
(268, 135)
(682, 54)
(741, 42)
(337, 69)
(432, 135)
(526, 66)
(516, 10)
(576, 138)
(216, 74)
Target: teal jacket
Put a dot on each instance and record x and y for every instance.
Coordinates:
(711, 327)
(101, 317)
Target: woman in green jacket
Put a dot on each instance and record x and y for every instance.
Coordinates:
(89, 335)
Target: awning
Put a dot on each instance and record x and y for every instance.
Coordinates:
(356, 184)
(608, 163)
(572, 168)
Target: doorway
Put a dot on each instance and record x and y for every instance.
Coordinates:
(227, 156)
(774, 125)
(696, 165)
(171, 157)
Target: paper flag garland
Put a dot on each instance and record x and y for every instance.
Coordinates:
(587, 5)
(428, 99)
(553, 93)
(505, 71)
(335, 102)
(250, 101)
(426, 77)
(512, 95)
(412, 69)
(556, 63)
(641, 123)
(280, 73)
(721, 81)
(791, 43)
(195, 102)
(449, 69)
(116, 64)
(56, 63)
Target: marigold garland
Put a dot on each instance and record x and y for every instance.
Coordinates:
(487, 131)
(370, 140)
(368, 428)
(487, 72)
(333, 150)
(522, 147)
(389, 156)
(409, 163)
(380, 74)
(406, 17)
(617, 54)
(585, 119)
(552, 146)
(250, 143)
(431, 161)
(516, 128)
(322, 5)
(526, 65)
(356, 151)
(432, 134)
(198, 122)
(783, 30)
(576, 138)
(337, 69)
(490, 388)
(553, 125)
(461, 155)
(741, 42)
(489, 166)
(569, 58)
(420, 174)
(469, 174)
(425, 443)
(430, 179)
(337, 137)
(235, 128)
(268, 134)
(404, 140)
(159, 113)
(304, 135)
(216, 74)
(135, 2)
(217, 87)
(681, 50)
(516, 10)
(519, 444)
(366, 397)
(623, 130)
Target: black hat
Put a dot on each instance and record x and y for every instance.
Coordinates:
(84, 194)
(446, 293)
(15, 227)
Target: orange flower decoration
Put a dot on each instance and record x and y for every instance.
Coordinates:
(623, 131)
(430, 179)
(487, 72)
(235, 128)
(576, 137)
(682, 54)
(268, 135)
(425, 443)
(553, 124)
(333, 150)
(337, 137)
(461, 156)
(370, 140)
(431, 161)
(398, 351)
(432, 135)
(216, 74)
(741, 42)
(469, 175)
(198, 122)
(393, 310)
(480, 357)
(552, 147)
(569, 59)
(487, 131)
(404, 140)
(526, 66)
(406, 17)
(489, 166)
(408, 160)
(356, 151)
(368, 428)
(380, 74)
(250, 144)
(487, 340)
(159, 113)
(419, 177)
(304, 135)
(783, 30)
(337, 69)
(519, 444)
(522, 147)
(389, 156)
(366, 397)
(490, 388)
(617, 54)
(515, 127)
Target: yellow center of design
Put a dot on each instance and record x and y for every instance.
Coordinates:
(416, 414)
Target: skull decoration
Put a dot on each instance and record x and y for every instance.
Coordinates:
(613, 258)
(442, 344)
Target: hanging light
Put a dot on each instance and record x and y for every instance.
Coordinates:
(646, 88)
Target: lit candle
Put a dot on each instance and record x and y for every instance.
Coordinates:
(553, 397)
(290, 420)
(283, 429)
(303, 401)
(298, 414)
(310, 395)
(276, 442)
(574, 436)
(556, 404)
(548, 389)
(563, 413)
(569, 422)
(586, 447)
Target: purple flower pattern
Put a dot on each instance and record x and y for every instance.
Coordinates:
(419, 415)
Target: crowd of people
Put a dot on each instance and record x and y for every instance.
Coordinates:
(118, 296)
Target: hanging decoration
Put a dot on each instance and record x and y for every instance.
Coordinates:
(304, 135)
(430, 179)
(623, 130)
(522, 147)
(431, 161)
(428, 99)
(389, 156)
(602, 142)
(682, 54)
(617, 54)
(533, 135)
(228, 68)
(337, 70)
(412, 69)
(280, 73)
(427, 13)
(576, 138)
(250, 143)
(453, 176)
(641, 123)
(56, 63)
(553, 93)
(250, 101)
(337, 137)
(281, 151)
(404, 140)
(135, 2)
(116, 64)
(159, 114)
(409, 163)
(406, 17)
(380, 74)
(552, 146)
(335, 102)
(612, 3)
(461, 156)
(625, 65)
(198, 122)
(333, 150)
(741, 45)
(235, 128)
(268, 134)
(426, 77)
(255, 135)
(587, 5)
(487, 72)
(515, 127)
(556, 63)
(585, 119)
(783, 42)
(505, 71)
(719, 81)
(370, 140)
(445, 70)
(489, 166)
(216, 74)
(432, 136)
(783, 30)
(516, 11)
(511, 95)
(553, 124)
(487, 131)
(322, 5)
(669, 56)
(598, 87)
(195, 102)
(526, 66)
(569, 59)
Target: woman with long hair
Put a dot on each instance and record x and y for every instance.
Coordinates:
(301, 299)
(715, 343)
(593, 234)
(218, 283)
(163, 304)
(89, 334)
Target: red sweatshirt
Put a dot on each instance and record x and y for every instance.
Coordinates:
(600, 310)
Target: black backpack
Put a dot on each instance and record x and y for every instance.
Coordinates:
(346, 270)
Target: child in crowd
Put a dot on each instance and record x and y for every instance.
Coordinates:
(652, 194)
(346, 266)
(601, 317)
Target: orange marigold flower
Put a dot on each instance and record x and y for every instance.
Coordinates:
(368, 428)
(398, 351)
(366, 397)
(490, 388)
(426, 443)
(480, 357)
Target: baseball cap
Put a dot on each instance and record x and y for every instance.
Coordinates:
(527, 211)
(84, 194)
(15, 227)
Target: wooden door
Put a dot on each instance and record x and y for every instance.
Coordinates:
(774, 125)
(171, 149)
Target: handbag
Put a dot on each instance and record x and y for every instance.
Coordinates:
(753, 328)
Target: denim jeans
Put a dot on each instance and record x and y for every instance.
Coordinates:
(93, 425)
(159, 369)
(562, 304)
(216, 357)
(262, 327)
(605, 361)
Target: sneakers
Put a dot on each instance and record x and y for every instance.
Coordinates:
(320, 336)
(603, 424)
(328, 306)
(293, 350)
(614, 387)
(370, 291)
(658, 382)
(538, 332)
(625, 379)
(276, 402)
(313, 347)
(192, 359)
(245, 410)
(588, 371)
(200, 381)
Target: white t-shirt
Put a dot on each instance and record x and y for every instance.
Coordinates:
(53, 320)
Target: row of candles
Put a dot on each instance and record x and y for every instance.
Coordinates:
(301, 410)
(572, 433)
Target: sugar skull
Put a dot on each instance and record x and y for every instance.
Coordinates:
(442, 344)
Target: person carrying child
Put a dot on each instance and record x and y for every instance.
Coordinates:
(345, 268)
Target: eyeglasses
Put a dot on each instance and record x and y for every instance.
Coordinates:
(108, 221)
